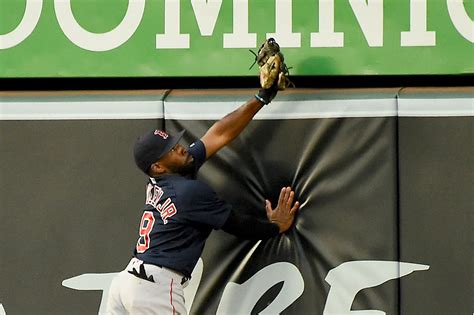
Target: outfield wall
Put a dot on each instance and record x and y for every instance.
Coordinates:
(384, 177)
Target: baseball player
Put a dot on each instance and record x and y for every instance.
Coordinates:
(181, 211)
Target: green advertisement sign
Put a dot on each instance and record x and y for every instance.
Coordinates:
(170, 38)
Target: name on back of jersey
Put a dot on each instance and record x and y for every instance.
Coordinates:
(167, 209)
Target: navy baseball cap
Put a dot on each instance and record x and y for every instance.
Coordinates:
(152, 146)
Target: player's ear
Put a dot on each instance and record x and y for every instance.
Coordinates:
(158, 168)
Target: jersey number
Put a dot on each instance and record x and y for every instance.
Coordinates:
(146, 225)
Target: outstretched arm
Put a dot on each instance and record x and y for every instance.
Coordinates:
(230, 126)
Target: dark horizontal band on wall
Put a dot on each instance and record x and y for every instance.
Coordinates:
(122, 83)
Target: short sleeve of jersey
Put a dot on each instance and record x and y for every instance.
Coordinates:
(207, 207)
(198, 151)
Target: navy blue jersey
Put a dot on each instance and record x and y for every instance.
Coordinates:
(179, 214)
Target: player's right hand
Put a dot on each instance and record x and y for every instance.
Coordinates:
(284, 213)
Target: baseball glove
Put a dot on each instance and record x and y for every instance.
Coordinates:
(272, 66)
